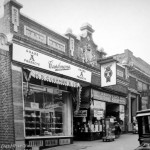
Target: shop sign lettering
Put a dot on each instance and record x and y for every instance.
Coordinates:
(34, 58)
(98, 113)
(34, 34)
(72, 46)
(115, 99)
(59, 66)
(108, 97)
(55, 44)
(15, 18)
(81, 113)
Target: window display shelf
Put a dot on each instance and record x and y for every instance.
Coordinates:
(44, 112)
(38, 123)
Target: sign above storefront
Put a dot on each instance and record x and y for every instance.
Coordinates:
(145, 93)
(34, 58)
(108, 74)
(98, 95)
(81, 113)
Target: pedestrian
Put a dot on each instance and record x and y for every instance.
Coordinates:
(117, 129)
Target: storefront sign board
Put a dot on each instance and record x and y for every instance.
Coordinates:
(98, 113)
(81, 113)
(34, 105)
(99, 104)
(98, 95)
(34, 58)
(108, 74)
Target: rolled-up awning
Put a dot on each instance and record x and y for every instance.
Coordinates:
(53, 79)
(143, 114)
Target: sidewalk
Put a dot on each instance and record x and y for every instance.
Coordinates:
(124, 142)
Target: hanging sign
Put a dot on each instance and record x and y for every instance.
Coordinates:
(81, 113)
(99, 104)
(108, 74)
(34, 58)
(98, 113)
(34, 105)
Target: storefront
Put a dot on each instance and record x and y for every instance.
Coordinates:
(97, 106)
(46, 98)
(45, 103)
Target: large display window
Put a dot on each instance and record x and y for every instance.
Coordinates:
(47, 109)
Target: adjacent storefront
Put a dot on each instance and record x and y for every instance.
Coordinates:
(47, 97)
(98, 106)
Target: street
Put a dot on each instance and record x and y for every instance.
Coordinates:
(124, 142)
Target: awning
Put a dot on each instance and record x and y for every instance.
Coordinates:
(56, 80)
(53, 79)
(143, 114)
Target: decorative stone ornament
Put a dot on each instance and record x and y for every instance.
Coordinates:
(5, 41)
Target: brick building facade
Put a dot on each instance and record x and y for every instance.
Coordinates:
(41, 70)
(138, 73)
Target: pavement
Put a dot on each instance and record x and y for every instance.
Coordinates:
(124, 142)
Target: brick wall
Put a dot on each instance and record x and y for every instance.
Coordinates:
(6, 101)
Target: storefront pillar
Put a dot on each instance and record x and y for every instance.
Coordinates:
(7, 135)
(129, 111)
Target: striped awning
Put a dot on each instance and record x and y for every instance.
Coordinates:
(53, 79)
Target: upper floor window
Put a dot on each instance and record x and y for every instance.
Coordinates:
(142, 86)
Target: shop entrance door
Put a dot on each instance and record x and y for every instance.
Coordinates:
(112, 110)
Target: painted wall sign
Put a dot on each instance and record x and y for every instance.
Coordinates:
(55, 44)
(33, 58)
(15, 18)
(34, 34)
(108, 74)
(71, 46)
